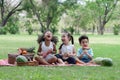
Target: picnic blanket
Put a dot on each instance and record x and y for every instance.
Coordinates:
(4, 62)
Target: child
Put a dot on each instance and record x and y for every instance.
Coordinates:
(85, 53)
(47, 49)
(67, 51)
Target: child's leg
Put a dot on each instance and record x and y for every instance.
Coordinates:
(71, 60)
(60, 61)
(79, 61)
(41, 60)
(52, 60)
(91, 63)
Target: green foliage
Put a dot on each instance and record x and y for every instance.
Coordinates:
(116, 29)
(48, 13)
(80, 16)
(42, 29)
(3, 30)
(101, 12)
(13, 29)
(31, 49)
(53, 29)
(7, 9)
(27, 5)
(71, 29)
(30, 30)
(28, 26)
(12, 25)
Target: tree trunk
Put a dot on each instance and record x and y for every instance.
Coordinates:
(37, 14)
(93, 29)
(5, 19)
(101, 30)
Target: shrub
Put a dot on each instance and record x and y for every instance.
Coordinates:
(13, 29)
(53, 29)
(3, 30)
(30, 30)
(116, 29)
(71, 30)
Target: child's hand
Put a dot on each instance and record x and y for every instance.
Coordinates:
(43, 54)
(66, 55)
(85, 52)
(49, 51)
(70, 55)
(40, 53)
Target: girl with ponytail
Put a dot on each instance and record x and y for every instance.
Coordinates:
(66, 50)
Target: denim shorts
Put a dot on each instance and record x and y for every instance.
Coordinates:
(86, 60)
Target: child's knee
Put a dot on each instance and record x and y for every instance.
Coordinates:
(52, 60)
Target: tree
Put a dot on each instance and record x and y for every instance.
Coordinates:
(47, 12)
(7, 9)
(103, 11)
(80, 17)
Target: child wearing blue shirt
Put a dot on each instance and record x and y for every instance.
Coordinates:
(85, 53)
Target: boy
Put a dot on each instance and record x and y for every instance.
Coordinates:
(85, 53)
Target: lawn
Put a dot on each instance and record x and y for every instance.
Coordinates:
(104, 46)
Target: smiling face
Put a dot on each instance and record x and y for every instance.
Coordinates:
(65, 39)
(48, 36)
(84, 43)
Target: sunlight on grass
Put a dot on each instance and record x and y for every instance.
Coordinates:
(103, 46)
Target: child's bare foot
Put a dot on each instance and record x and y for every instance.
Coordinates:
(80, 64)
(91, 64)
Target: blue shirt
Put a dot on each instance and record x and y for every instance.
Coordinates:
(80, 51)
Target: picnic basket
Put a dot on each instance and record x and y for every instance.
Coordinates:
(29, 63)
(12, 57)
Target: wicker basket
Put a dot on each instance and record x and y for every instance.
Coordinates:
(12, 57)
(30, 63)
(29, 56)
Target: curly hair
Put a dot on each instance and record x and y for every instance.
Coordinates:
(41, 38)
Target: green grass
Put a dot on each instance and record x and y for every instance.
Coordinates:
(103, 46)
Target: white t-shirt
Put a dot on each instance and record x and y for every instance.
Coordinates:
(67, 49)
(46, 48)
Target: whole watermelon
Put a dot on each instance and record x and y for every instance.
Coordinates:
(21, 58)
(107, 62)
(98, 60)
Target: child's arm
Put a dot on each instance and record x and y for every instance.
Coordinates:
(73, 54)
(90, 54)
(80, 53)
(54, 49)
(39, 51)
